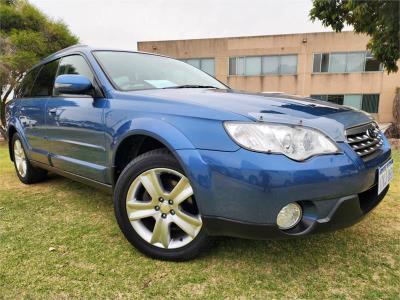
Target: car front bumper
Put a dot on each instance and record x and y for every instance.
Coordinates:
(241, 193)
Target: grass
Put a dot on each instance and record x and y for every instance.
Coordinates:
(91, 258)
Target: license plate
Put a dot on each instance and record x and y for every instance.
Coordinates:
(385, 175)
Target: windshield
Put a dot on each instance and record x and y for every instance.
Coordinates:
(138, 71)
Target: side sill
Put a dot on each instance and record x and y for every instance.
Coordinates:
(102, 186)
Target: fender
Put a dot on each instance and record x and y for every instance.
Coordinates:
(168, 135)
(158, 129)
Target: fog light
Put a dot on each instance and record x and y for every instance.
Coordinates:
(289, 216)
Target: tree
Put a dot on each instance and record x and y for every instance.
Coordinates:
(394, 130)
(26, 36)
(377, 18)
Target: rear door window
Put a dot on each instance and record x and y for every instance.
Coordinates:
(43, 86)
(25, 87)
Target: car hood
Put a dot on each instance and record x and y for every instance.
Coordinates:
(264, 107)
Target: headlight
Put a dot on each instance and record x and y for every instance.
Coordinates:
(296, 142)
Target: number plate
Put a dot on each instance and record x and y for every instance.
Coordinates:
(385, 175)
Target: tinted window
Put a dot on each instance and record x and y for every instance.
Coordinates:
(24, 89)
(75, 64)
(45, 80)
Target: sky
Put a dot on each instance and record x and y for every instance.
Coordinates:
(121, 23)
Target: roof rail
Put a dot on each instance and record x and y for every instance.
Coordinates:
(62, 50)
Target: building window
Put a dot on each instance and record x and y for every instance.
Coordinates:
(321, 62)
(370, 103)
(346, 62)
(263, 65)
(288, 64)
(252, 65)
(270, 65)
(371, 64)
(366, 102)
(337, 63)
(205, 64)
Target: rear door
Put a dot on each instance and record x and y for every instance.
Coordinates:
(75, 127)
(35, 90)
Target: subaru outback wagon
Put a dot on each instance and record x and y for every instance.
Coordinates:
(188, 158)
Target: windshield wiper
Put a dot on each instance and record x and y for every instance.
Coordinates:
(191, 86)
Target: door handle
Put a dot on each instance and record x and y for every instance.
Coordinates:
(53, 111)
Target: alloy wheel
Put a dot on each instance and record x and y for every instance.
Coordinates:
(20, 158)
(162, 209)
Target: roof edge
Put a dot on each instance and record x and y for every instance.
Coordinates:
(249, 36)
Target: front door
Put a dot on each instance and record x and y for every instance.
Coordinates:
(75, 127)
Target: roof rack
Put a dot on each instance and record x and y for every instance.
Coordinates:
(62, 50)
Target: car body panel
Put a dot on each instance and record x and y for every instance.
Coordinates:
(252, 187)
(75, 132)
(240, 106)
(31, 116)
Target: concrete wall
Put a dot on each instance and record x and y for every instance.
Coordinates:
(304, 82)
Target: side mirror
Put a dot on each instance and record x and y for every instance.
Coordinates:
(73, 85)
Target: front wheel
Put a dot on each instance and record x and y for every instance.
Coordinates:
(156, 209)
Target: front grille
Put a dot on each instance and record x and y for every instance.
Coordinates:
(365, 140)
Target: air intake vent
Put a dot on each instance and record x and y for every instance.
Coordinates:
(366, 140)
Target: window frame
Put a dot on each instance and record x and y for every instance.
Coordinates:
(200, 59)
(262, 74)
(321, 96)
(98, 91)
(41, 67)
(369, 55)
(114, 85)
(381, 69)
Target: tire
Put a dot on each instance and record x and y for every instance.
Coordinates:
(26, 173)
(132, 198)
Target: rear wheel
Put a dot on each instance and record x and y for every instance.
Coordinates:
(24, 169)
(156, 208)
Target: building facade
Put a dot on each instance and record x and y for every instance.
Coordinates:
(330, 66)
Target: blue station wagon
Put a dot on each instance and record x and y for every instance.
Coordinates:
(187, 158)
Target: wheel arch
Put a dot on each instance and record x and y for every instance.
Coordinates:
(10, 133)
(147, 134)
